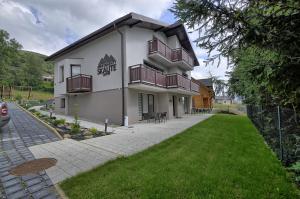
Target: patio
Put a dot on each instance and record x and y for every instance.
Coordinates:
(78, 156)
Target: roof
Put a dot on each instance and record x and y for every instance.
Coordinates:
(207, 82)
(222, 98)
(133, 19)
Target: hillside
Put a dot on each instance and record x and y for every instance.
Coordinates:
(47, 67)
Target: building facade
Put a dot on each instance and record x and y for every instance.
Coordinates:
(132, 66)
(205, 96)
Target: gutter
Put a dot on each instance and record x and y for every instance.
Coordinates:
(123, 51)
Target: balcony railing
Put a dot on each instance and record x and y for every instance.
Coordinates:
(173, 55)
(79, 83)
(146, 75)
(143, 74)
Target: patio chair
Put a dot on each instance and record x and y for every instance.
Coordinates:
(164, 116)
(146, 116)
(157, 117)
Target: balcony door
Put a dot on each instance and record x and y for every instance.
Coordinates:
(75, 70)
(145, 103)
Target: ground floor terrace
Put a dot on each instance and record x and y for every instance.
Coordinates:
(141, 103)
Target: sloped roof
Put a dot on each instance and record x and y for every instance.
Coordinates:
(133, 19)
(207, 82)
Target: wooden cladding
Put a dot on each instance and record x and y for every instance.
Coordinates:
(173, 55)
(146, 75)
(79, 83)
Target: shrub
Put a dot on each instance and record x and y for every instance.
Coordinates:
(59, 121)
(19, 98)
(93, 130)
(75, 127)
(37, 114)
(296, 169)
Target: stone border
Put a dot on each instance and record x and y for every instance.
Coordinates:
(41, 121)
(60, 192)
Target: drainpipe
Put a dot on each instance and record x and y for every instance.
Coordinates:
(124, 116)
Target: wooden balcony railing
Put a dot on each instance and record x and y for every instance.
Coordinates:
(157, 46)
(173, 55)
(79, 83)
(178, 81)
(143, 74)
(146, 75)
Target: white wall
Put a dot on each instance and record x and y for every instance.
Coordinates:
(89, 56)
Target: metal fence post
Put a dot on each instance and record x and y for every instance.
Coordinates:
(280, 133)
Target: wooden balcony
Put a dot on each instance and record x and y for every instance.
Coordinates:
(164, 54)
(146, 75)
(79, 83)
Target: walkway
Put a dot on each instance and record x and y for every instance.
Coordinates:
(75, 157)
(22, 132)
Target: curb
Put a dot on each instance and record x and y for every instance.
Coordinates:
(41, 121)
(60, 192)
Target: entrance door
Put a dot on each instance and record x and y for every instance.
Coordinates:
(186, 105)
(205, 102)
(151, 103)
(174, 105)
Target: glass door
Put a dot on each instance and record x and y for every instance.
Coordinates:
(75, 70)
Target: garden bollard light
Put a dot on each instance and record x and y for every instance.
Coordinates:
(51, 113)
(106, 122)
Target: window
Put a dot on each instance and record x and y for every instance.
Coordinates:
(75, 70)
(62, 103)
(184, 75)
(61, 74)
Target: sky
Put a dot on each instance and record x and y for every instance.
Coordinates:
(46, 26)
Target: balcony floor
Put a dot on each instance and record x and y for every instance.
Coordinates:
(146, 87)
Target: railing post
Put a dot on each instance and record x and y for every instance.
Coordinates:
(140, 72)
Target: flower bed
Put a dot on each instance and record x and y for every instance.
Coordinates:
(70, 130)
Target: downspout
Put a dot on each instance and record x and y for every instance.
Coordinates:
(122, 75)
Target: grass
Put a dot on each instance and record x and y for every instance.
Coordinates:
(35, 95)
(222, 157)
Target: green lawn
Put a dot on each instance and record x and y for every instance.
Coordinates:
(222, 157)
(35, 95)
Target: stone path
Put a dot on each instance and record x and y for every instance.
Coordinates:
(22, 132)
(75, 157)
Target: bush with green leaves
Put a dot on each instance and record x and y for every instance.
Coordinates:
(296, 169)
(59, 122)
(93, 130)
(75, 127)
(19, 98)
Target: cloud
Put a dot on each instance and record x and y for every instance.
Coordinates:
(49, 25)
(46, 26)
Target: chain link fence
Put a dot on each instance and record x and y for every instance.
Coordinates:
(280, 128)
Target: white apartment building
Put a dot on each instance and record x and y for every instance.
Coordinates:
(133, 66)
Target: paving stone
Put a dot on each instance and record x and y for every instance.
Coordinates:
(19, 194)
(41, 194)
(22, 132)
(11, 182)
(36, 187)
(33, 181)
(13, 189)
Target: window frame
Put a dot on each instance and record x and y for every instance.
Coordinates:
(61, 73)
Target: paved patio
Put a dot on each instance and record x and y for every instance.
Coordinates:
(78, 156)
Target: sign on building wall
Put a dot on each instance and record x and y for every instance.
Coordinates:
(107, 65)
